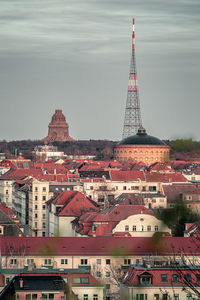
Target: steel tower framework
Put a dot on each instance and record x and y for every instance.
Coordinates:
(132, 120)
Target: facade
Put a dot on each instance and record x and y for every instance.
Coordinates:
(142, 148)
(63, 208)
(78, 283)
(127, 220)
(34, 286)
(38, 195)
(160, 283)
(58, 129)
(106, 257)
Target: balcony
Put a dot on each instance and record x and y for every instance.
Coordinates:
(85, 267)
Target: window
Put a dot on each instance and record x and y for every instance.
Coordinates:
(44, 198)
(44, 296)
(51, 296)
(43, 233)
(98, 261)
(175, 277)
(36, 198)
(43, 216)
(28, 296)
(47, 261)
(30, 261)
(13, 261)
(107, 286)
(36, 207)
(84, 280)
(43, 207)
(91, 187)
(44, 189)
(188, 297)
(141, 227)
(198, 277)
(85, 297)
(141, 296)
(35, 224)
(176, 296)
(124, 187)
(35, 297)
(36, 216)
(149, 228)
(126, 228)
(98, 274)
(6, 192)
(107, 261)
(107, 274)
(188, 277)
(156, 227)
(95, 297)
(127, 261)
(64, 261)
(134, 228)
(164, 277)
(84, 261)
(36, 189)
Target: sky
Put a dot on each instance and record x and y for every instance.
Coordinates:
(75, 55)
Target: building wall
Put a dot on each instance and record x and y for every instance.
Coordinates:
(65, 226)
(99, 190)
(148, 154)
(58, 295)
(38, 196)
(151, 292)
(80, 291)
(141, 225)
(6, 190)
(19, 205)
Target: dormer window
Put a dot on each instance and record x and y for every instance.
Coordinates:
(145, 279)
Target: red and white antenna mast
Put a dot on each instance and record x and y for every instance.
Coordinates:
(132, 120)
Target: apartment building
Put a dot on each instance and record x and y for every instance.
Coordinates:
(106, 257)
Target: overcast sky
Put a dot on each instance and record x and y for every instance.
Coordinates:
(75, 55)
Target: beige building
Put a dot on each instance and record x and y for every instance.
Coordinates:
(38, 195)
(141, 225)
(106, 257)
(160, 283)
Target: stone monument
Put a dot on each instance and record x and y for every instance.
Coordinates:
(58, 129)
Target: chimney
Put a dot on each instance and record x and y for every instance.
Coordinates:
(21, 283)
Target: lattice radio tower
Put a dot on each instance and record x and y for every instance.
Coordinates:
(132, 120)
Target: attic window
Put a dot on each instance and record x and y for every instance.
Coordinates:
(102, 247)
(28, 247)
(138, 246)
(82, 246)
(64, 246)
(77, 199)
(66, 211)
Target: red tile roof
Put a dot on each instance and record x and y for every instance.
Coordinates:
(166, 177)
(132, 276)
(15, 174)
(40, 246)
(174, 191)
(108, 219)
(73, 203)
(126, 175)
